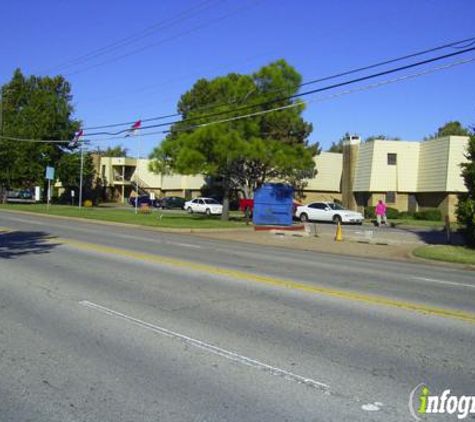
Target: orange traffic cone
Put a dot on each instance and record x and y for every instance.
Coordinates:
(339, 233)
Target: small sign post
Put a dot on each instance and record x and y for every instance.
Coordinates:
(72, 197)
(37, 194)
(50, 177)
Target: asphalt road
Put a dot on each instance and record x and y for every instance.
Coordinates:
(105, 323)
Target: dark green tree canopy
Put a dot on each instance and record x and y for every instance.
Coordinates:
(453, 128)
(241, 152)
(338, 146)
(117, 151)
(382, 138)
(466, 204)
(68, 170)
(34, 108)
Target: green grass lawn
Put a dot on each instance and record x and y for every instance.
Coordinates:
(155, 218)
(458, 254)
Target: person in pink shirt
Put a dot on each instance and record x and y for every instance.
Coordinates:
(381, 213)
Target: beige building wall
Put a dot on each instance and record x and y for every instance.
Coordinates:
(400, 203)
(433, 165)
(147, 178)
(329, 167)
(310, 197)
(400, 177)
(363, 172)
(111, 167)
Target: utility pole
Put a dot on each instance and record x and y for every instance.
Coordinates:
(81, 175)
(1, 110)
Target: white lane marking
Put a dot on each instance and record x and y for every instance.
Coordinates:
(372, 407)
(450, 283)
(186, 245)
(209, 347)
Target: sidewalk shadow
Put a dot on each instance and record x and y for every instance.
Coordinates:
(433, 235)
(16, 244)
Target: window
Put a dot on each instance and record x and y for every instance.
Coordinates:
(318, 206)
(390, 197)
(336, 207)
(392, 159)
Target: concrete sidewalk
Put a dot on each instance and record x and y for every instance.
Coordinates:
(323, 243)
(361, 241)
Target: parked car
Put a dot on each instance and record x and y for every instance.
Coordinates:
(169, 202)
(20, 197)
(144, 200)
(208, 206)
(328, 211)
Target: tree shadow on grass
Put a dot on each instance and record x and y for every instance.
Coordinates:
(19, 243)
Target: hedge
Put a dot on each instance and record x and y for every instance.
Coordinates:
(430, 214)
(392, 213)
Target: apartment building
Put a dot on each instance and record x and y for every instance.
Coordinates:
(407, 175)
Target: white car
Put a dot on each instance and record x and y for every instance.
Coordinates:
(208, 206)
(328, 211)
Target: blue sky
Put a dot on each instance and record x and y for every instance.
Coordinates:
(208, 38)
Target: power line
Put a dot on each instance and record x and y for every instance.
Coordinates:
(334, 76)
(146, 32)
(288, 106)
(270, 102)
(328, 97)
(180, 34)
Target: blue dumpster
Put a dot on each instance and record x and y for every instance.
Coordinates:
(273, 205)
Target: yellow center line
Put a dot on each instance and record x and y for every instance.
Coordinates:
(288, 284)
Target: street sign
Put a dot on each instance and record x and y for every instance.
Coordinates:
(50, 173)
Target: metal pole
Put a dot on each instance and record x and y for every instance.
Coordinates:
(137, 173)
(81, 176)
(48, 197)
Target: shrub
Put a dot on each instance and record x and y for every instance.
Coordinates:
(391, 213)
(432, 214)
(409, 215)
(466, 218)
(369, 212)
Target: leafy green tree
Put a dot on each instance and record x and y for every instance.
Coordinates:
(466, 204)
(338, 146)
(68, 171)
(381, 137)
(240, 153)
(117, 151)
(34, 108)
(453, 128)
